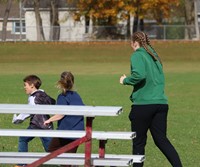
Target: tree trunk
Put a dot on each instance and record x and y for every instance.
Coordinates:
(196, 19)
(189, 18)
(55, 26)
(158, 15)
(5, 19)
(90, 29)
(40, 32)
(136, 17)
(142, 24)
(128, 31)
(135, 23)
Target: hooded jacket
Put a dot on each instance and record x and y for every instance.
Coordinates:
(147, 79)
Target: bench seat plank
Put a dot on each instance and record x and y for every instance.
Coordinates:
(100, 135)
(71, 158)
(70, 161)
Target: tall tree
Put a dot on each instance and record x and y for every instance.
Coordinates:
(39, 27)
(159, 9)
(140, 9)
(5, 20)
(54, 21)
(189, 17)
(196, 4)
(137, 13)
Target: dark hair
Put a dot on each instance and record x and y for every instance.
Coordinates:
(143, 40)
(33, 79)
(66, 82)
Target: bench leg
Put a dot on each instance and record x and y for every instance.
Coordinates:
(88, 143)
(102, 145)
(102, 151)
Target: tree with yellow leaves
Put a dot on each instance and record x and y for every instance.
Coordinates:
(107, 12)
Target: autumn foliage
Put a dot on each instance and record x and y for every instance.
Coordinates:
(104, 9)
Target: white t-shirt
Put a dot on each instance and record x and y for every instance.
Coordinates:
(17, 119)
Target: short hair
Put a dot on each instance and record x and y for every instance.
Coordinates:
(33, 79)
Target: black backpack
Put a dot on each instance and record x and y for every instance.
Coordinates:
(37, 120)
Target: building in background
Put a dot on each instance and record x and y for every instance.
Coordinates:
(14, 30)
(21, 25)
(24, 15)
(70, 29)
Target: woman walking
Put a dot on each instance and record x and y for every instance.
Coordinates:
(150, 105)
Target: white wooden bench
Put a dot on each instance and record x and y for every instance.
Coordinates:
(58, 157)
(71, 158)
(99, 135)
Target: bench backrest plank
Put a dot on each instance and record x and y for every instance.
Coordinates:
(89, 111)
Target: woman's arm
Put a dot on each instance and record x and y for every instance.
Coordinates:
(138, 72)
(53, 119)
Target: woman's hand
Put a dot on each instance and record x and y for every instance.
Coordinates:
(122, 79)
(53, 119)
(47, 122)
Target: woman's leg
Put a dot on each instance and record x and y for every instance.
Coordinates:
(159, 133)
(140, 117)
(54, 144)
(57, 143)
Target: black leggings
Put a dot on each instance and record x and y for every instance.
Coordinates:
(154, 118)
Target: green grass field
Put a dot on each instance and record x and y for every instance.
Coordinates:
(97, 68)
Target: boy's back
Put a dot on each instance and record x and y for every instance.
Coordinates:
(37, 120)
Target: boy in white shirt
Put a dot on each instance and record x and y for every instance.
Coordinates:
(32, 84)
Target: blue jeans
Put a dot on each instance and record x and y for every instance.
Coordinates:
(23, 142)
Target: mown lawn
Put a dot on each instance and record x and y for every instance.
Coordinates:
(97, 68)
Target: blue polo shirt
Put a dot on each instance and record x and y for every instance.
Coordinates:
(70, 122)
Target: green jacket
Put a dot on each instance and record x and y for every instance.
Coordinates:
(147, 79)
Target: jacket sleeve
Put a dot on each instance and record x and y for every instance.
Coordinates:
(138, 72)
